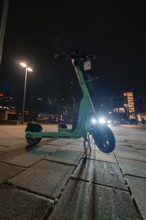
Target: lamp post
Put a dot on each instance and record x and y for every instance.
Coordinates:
(25, 81)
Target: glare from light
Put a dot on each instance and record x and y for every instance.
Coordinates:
(102, 120)
(108, 121)
(23, 64)
(29, 69)
(93, 121)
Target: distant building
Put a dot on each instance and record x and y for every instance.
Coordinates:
(7, 108)
(122, 105)
(140, 104)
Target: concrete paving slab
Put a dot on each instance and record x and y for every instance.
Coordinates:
(24, 159)
(6, 131)
(143, 152)
(7, 148)
(95, 152)
(45, 177)
(132, 137)
(76, 147)
(46, 141)
(124, 147)
(8, 171)
(136, 142)
(12, 141)
(138, 190)
(52, 141)
(61, 141)
(140, 146)
(66, 156)
(48, 149)
(100, 172)
(4, 148)
(120, 140)
(99, 155)
(133, 155)
(78, 141)
(17, 204)
(49, 146)
(85, 201)
(2, 154)
(44, 150)
(5, 156)
(133, 167)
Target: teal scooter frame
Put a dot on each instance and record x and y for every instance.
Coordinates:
(102, 134)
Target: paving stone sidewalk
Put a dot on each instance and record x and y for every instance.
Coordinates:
(53, 181)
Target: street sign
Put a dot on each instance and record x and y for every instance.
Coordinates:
(87, 65)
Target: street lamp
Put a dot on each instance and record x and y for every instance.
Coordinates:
(27, 68)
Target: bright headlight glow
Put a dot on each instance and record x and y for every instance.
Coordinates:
(93, 121)
(102, 120)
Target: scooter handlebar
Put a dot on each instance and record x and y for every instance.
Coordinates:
(82, 57)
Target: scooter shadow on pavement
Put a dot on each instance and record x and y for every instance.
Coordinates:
(31, 147)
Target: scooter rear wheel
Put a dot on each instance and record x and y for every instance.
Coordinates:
(104, 138)
(33, 128)
(32, 141)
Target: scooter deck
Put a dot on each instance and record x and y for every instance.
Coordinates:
(63, 134)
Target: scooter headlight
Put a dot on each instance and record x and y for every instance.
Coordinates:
(108, 121)
(101, 120)
(93, 121)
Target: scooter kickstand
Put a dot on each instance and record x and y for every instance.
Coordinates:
(86, 145)
(88, 140)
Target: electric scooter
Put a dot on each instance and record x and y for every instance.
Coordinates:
(83, 123)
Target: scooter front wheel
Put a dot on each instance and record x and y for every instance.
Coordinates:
(33, 128)
(104, 138)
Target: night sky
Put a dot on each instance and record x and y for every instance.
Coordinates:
(35, 31)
